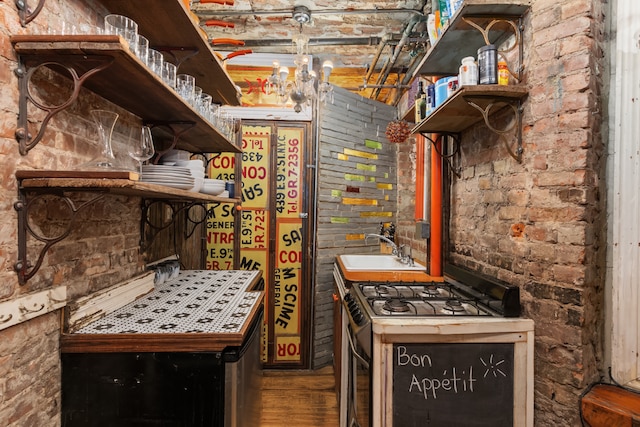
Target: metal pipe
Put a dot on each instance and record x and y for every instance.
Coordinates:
(331, 41)
(383, 42)
(396, 53)
(314, 12)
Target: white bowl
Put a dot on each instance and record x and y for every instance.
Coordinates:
(211, 181)
(214, 191)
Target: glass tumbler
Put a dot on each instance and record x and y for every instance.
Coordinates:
(155, 62)
(185, 85)
(205, 106)
(169, 74)
(125, 27)
(197, 97)
(142, 49)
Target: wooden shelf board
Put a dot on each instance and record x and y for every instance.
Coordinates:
(460, 39)
(127, 82)
(172, 25)
(47, 180)
(455, 114)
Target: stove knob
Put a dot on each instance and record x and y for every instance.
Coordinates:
(359, 318)
(348, 297)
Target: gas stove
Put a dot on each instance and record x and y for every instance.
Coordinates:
(461, 294)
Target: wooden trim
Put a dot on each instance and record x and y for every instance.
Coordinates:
(169, 342)
(607, 405)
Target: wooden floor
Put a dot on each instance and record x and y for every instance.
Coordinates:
(299, 399)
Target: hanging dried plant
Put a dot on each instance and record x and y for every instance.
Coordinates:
(398, 131)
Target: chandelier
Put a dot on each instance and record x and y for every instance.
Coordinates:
(301, 90)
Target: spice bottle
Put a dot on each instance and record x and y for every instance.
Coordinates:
(468, 72)
(488, 65)
(503, 73)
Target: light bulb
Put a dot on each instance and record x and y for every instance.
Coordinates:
(327, 67)
(284, 72)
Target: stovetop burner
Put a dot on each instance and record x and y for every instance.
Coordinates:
(396, 306)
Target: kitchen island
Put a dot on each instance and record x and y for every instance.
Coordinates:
(187, 353)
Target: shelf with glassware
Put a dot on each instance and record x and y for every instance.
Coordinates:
(171, 28)
(105, 65)
(34, 185)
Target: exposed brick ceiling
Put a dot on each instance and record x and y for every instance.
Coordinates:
(352, 34)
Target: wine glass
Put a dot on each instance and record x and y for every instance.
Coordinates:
(141, 148)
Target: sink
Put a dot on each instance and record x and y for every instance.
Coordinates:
(377, 263)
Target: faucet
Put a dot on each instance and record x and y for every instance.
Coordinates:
(386, 239)
(405, 258)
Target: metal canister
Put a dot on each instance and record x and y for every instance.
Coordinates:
(488, 65)
(230, 187)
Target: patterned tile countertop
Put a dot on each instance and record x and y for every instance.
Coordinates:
(197, 301)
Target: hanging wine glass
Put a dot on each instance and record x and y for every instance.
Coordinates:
(141, 149)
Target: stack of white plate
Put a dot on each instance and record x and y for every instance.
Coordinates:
(170, 176)
(175, 155)
(215, 187)
(197, 171)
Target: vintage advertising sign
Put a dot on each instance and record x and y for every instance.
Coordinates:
(289, 158)
(255, 167)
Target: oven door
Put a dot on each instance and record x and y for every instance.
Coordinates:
(359, 385)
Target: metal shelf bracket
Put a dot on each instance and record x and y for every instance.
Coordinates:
(514, 127)
(23, 266)
(25, 13)
(25, 72)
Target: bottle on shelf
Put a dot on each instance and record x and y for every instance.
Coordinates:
(503, 73)
(420, 102)
(468, 72)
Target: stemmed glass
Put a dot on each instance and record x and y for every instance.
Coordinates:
(141, 148)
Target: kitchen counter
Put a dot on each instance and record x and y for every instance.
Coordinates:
(200, 310)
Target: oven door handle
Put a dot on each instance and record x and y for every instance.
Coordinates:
(355, 351)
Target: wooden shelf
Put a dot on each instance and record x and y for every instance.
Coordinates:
(456, 114)
(170, 25)
(127, 82)
(109, 182)
(460, 39)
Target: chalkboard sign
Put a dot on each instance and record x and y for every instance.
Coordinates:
(453, 385)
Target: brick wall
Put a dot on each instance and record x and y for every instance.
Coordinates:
(102, 248)
(539, 224)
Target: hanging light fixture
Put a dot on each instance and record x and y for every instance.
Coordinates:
(302, 89)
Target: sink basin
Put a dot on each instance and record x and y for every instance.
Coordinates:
(377, 263)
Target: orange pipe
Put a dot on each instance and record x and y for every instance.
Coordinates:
(227, 41)
(219, 23)
(435, 248)
(419, 209)
(224, 2)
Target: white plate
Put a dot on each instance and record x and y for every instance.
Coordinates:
(173, 184)
(164, 168)
(182, 179)
(166, 175)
